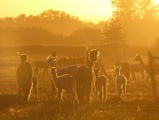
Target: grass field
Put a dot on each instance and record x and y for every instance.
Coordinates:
(138, 105)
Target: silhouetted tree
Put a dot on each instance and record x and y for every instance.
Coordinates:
(115, 36)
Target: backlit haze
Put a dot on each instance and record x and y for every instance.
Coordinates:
(87, 10)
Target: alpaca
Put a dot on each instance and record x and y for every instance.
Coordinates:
(146, 67)
(84, 77)
(125, 69)
(137, 68)
(71, 70)
(101, 86)
(64, 82)
(120, 82)
(24, 76)
(40, 64)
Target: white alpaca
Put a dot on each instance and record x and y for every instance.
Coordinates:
(120, 82)
(64, 82)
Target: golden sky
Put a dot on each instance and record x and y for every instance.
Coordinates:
(87, 10)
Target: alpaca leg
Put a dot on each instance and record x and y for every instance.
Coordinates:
(80, 94)
(124, 90)
(27, 92)
(105, 93)
(147, 81)
(133, 76)
(19, 91)
(100, 96)
(73, 96)
(68, 96)
(59, 96)
(35, 92)
(119, 90)
(142, 74)
(87, 94)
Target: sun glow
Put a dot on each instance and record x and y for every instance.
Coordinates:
(156, 2)
(87, 10)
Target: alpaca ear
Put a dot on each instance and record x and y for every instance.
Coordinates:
(27, 54)
(18, 53)
(87, 49)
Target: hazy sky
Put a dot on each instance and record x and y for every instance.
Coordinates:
(88, 10)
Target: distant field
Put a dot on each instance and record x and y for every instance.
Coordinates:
(138, 105)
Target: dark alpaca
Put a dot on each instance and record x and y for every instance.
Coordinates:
(147, 69)
(84, 77)
(40, 64)
(125, 69)
(120, 82)
(137, 68)
(101, 86)
(64, 82)
(24, 76)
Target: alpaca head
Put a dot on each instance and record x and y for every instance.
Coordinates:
(117, 70)
(137, 58)
(51, 61)
(93, 54)
(23, 57)
(53, 54)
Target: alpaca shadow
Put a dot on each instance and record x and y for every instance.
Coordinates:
(8, 100)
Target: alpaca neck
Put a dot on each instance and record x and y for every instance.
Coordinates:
(96, 76)
(91, 65)
(54, 75)
(117, 74)
(143, 65)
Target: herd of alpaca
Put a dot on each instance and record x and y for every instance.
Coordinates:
(76, 80)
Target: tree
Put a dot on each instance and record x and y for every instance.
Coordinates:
(115, 36)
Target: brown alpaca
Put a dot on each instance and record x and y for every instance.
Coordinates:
(64, 82)
(101, 86)
(24, 76)
(146, 67)
(84, 77)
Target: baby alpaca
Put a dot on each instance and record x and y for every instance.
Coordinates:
(101, 86)
(120, 81)
(64, 82)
